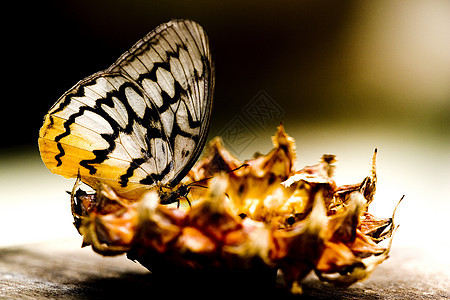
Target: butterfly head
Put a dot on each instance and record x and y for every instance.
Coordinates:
(170, 194)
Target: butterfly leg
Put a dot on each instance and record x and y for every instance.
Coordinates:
(187, 199)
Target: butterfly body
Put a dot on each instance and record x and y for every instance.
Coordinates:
(141, 123)
(169, 195)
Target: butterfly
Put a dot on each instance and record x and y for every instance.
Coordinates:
(142, 122)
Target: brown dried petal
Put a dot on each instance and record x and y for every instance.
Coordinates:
(343, 226)
(215, 160)
(279, 162)
(363, 246)
(335, 258)
(193, 240)
(372, 226)
(300, 248)
(212, 214)
(158, 225)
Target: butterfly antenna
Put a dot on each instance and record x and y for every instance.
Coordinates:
(243, 165)
(208, 178)
(197, 185)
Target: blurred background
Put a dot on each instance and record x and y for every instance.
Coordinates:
(345, 77)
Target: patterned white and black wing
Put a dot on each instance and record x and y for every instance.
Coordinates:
(141, 122)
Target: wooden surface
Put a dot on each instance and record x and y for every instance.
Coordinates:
(62, 270)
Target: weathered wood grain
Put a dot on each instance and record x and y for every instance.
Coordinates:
(62, 270)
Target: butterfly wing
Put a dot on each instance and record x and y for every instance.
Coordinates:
(173, 65)
(141, 122)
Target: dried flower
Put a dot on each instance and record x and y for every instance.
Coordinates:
(265, 215)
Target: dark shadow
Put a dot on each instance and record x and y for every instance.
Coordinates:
(176, 285)
(131, 286)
